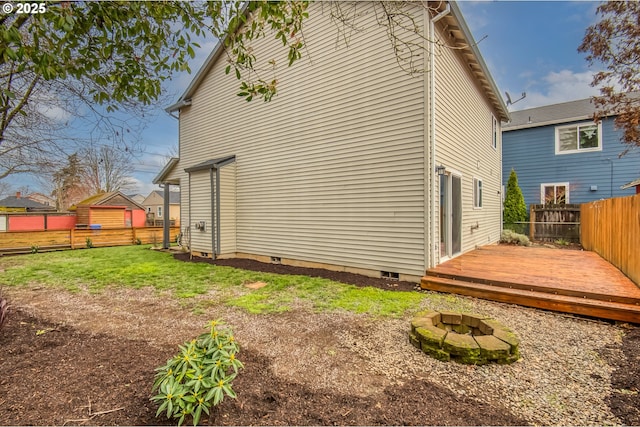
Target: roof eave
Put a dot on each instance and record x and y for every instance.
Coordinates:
(483, 74)
(161, 177)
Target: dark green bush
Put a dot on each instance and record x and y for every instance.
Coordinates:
(515, 209)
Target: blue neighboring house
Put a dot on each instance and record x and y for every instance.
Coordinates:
(562, 156)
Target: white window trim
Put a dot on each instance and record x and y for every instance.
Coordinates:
(578, 149)
(474, 192)
(159, 211)
(555, 184)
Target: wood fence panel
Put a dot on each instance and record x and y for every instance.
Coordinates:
(24, 241)
(611, 228)
(28, 239)
(154, 234)
(552, 222)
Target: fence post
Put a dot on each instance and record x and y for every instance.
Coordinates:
(532, 219)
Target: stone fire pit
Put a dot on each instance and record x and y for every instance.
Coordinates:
(464, 338)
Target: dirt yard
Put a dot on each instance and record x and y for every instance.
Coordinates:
(82, 359)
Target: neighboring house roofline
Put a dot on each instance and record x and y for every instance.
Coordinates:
(102, 198)
(457, 27)
(174, 196)
(23, 202)
(553, 114)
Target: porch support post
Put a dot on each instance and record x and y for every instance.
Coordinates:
(165, 223)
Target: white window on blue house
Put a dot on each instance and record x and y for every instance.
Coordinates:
(578, 138)
(477, 193)
(554, 193)
(159, 211)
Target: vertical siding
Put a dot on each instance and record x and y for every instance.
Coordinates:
(228, 209)
(331, 170)
(531, 152)
(464, 138)
(201, 192)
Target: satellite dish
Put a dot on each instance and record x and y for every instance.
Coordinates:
(510, 102)
(508, 98)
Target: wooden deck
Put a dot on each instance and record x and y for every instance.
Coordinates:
(569, 281)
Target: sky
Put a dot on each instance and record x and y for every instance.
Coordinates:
(528, 46)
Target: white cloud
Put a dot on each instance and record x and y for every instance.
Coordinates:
(557, 87)
(141, 187)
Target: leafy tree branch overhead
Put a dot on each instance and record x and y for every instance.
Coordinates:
(116, 55)
(614, 41)
(76, 58)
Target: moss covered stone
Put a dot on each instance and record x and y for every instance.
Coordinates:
(465, 338)
(431, 335)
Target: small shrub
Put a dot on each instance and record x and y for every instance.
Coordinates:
(89, 242)
(35, 249)
(513, 238)
(138, 241)
(561, 242)
(199, 376)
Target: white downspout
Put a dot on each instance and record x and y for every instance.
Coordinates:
(432, 113)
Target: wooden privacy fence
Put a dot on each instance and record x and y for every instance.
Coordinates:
(611, 228)
(553, 222)
(31, 241)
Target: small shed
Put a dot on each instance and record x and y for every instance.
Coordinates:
(109, 210)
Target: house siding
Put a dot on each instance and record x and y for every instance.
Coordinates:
(464, 143)
(200, 184)
(228, 210)
(340, 186)
(154, 200)
(531, 153)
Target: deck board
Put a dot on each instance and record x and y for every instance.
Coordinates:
(535, 270)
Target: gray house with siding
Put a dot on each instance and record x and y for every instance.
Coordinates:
(562, 156)
(355, 165)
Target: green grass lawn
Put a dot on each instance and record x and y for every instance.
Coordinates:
(137, 267)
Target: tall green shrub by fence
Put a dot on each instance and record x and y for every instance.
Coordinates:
(611, 228)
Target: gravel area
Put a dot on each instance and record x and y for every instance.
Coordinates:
(563, 377)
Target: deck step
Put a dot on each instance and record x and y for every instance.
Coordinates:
(535, 288)
(612, 310)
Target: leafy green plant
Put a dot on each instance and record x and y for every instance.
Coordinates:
(35, 249)
(138, 241)
(89, 243)
(513, 238)
(561, 242)
(199, 376)
(515, 210)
